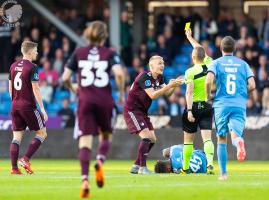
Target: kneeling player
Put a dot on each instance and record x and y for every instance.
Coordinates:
(148, 85)
(198, 161)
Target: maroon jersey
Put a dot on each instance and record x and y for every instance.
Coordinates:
(21, 75)
(93, 65)
(138, 99)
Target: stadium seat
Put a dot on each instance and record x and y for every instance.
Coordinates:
(153, 109)
(182, 59)
(4, 96)
(61, 94)
(53, 108)
(5, 107)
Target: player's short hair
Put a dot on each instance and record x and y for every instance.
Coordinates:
(227, 44)
(153, 58)
(27, 46)
(161, 166)
(96, 32)
(199, 53)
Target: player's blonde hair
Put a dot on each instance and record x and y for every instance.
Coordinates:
(154, 58)
(96, 32)
(27, 46)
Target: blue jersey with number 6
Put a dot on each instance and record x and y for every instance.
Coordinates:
(231, 75)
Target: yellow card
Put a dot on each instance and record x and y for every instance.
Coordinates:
(187, 26)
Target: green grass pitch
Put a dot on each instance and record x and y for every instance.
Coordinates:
(60, 180)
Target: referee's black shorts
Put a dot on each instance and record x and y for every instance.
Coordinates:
(203, 113)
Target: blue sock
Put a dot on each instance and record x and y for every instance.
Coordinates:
(222, 157)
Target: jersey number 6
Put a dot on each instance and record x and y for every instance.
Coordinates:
(230, 84)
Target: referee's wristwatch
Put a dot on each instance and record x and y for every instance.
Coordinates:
(189, 110)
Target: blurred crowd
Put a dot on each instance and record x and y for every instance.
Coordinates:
(167, 39)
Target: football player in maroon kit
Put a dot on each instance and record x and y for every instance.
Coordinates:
(24, 92)
(94, 65)
(148, 85)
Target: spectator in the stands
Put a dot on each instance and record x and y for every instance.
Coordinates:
(54, 39)
(58, 61)
(67, 114)
(15, 43)
(227, 24)
(242, 41)
(255, 51)
(143, 54)
(262, 32)
(263, 75)
(46, 52)
(35, 36)
(209, 27)
(125, 39)
(162, 50)
(205, 44)
(162, 106)
(46, 91)
(217, 52)
(170, 42)
(151, 41)
(48, 74)
(66, 47)
(136, 69)
(74, 21)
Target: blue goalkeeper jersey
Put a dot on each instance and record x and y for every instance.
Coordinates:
(198, 162)
(231, 75)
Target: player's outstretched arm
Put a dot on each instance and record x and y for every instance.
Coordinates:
(193, 42)
(38, 98)
(66, 80)
(154, 94)
(120, 80)
(209, 81)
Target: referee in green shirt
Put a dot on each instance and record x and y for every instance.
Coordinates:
(198, 112)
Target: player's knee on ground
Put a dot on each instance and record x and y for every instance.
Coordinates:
(85, 141)
(162, 166)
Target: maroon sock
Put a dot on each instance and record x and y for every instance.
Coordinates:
(137, 161)
(84, 157)
(143, 151)
(103, 149)
(150, 146)
(14, 153)
(33, 147)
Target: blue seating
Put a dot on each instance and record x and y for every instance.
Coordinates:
(4, 96)
(61, 94)
(5, 107)
(153, 109)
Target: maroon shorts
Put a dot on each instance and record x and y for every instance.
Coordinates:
(136, 121)
(93, 117)
(27, 118)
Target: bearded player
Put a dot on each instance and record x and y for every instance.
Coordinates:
(148, 85)
(24, 92)
(93, 64)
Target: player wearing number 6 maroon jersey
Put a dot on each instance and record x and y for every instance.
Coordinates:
(94, 65)
(24, 92)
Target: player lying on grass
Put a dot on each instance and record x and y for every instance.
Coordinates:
(174, 163)
(148, 85)
(24, 92)
(94, 65)
(198, 112)
(234, 79)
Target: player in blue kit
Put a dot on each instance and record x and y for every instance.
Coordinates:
(198, 161)
(234, 79)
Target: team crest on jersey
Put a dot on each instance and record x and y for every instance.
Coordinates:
(147, 83)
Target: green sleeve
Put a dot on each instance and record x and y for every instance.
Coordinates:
(189, 76)
(207, 60)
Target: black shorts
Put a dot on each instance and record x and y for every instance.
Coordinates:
(203, 114)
